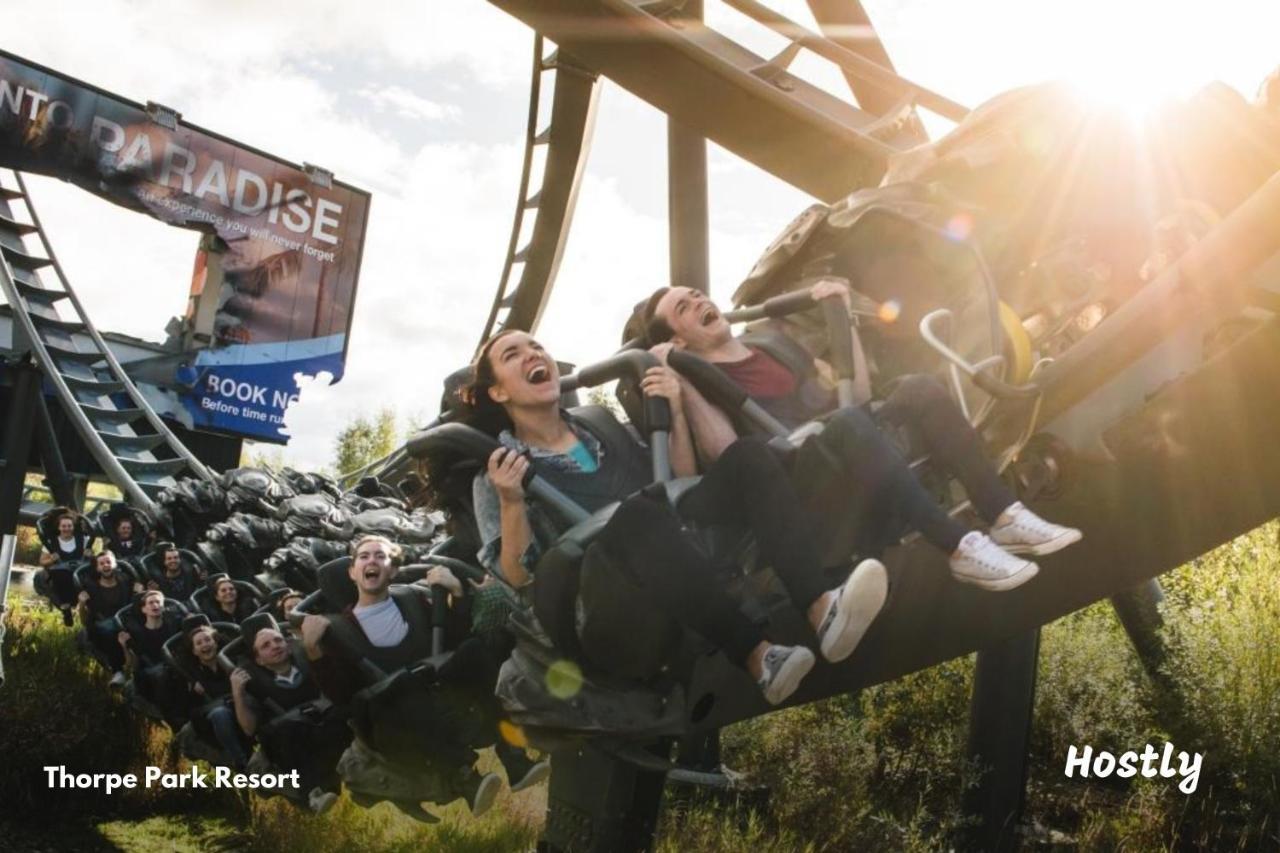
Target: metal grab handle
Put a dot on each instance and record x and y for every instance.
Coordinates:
(657, 410)
(839, 332)
(439, 613)
(721, 391)
(476, 445)
(977, 373)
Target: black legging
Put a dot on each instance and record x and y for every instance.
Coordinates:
(103, 633)
(922, 405)
(746, 484)
(62, 583)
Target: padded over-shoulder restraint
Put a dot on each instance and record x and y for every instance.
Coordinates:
(624, 469)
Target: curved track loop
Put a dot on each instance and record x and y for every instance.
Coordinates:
(748, 104)
(137, 452)
(563, 145)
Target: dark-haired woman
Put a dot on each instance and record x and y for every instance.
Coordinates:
(211, 711)
(516, 385)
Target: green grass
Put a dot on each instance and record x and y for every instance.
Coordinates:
(885, 770)
(881, 771)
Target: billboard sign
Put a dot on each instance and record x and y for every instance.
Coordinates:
(288, 239)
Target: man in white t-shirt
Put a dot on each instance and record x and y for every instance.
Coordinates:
(394, 631)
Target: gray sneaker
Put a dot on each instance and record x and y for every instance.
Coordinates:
(1027, 533)
(535, 774)
(981, 562)
(784, 668)
(855, 606)
(485, 794)
(321, 800)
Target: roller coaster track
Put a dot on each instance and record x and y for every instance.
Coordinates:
(562, 146)
(137, 452)
(749, 104)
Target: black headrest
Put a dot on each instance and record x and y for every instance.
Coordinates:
(453, 383)
(335, 585)
(214, 580)
(634, 328)
(194, 620)
(250, 627)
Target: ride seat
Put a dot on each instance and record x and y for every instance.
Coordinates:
(202, 600)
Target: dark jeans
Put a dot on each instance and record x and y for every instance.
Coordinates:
(313, 748)
(474, 667)
(922, 406)
(869, 484)
(102, 634)
(219, 721)
(747, 486)
(156, 683)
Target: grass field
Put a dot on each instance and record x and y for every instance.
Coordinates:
(880, 771)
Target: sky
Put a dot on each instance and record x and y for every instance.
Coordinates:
(424, 103)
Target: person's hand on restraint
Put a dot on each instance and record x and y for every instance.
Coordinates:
(507, 470)
(441, 576)
(831, 285)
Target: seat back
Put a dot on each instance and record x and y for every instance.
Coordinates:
(177, 649)
(203, 601)
(153, 563)
(47, 530)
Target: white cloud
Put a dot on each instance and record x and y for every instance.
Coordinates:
(408, 105)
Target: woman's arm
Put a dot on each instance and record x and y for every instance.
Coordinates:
(506, 471)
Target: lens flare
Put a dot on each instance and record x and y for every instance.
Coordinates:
(960, 226)
(889, 311)
(512, 734)
(564, 679)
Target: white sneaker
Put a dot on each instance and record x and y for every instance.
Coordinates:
(981, 562)
(1027, 533)
(784, 668)
(855, 606)
(117, 679)
(486, 793)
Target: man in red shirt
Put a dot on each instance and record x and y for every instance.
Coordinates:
(878, 478)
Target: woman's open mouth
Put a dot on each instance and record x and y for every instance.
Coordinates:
(538, 374)
(709, 316)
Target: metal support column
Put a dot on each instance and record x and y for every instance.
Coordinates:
(599, 804)
(17, 441)
(687, 222)
(8, 549)
(1138, 610)
(1004, 690)
(67, 490)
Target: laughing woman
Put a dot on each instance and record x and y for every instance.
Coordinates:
(515, 394)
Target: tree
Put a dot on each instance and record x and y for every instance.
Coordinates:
(363, 441)
(255, 455)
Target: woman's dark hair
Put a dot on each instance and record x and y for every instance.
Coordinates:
(466, 398)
